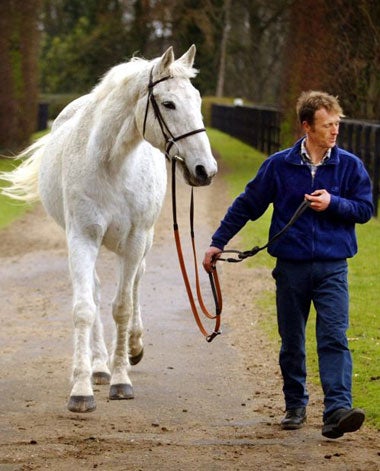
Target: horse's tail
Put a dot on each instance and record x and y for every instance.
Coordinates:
(23, 180)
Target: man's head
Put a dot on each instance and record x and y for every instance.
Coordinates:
(310, 102)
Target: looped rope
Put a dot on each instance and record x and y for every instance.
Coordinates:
(250, 253)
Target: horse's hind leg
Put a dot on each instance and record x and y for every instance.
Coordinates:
(100, 372)
(135, 324)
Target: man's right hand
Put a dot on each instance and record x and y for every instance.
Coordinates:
(209, 260)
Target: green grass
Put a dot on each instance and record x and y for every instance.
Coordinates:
(11, 209)
(241, 163)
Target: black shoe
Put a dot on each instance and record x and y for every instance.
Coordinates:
(294, 418)
(343, 421)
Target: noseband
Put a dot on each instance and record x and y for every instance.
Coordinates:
(170, 139)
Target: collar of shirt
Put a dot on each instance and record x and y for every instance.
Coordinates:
(306, 159)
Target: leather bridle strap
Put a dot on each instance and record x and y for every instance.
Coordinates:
(214, 280)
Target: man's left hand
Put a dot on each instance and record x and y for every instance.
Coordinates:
(319, 200)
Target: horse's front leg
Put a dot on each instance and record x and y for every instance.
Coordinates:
(82, 258)
(126, 313)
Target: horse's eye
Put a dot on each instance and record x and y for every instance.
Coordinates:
(169, 104)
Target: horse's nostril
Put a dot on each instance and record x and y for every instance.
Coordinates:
(201, 172)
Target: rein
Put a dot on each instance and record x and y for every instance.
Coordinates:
(170, 140)
(213, 277)
(250, 253)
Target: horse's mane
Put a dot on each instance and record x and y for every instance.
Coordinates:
(121, 74)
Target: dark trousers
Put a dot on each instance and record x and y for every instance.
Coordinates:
(323, 283)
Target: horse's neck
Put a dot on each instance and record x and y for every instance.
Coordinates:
(114, 134)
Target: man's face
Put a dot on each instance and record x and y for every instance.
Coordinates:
(325, 129)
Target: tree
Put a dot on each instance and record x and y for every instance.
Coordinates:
(18, 79)
(223, 48)
(265, 51)
(82, 40)
(341, 57)
(354, 71)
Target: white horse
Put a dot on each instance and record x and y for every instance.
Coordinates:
(101, 174)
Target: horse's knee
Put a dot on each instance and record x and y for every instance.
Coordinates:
(84, 314)
(120, 312)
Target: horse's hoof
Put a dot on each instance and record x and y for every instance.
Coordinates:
(99, 377)
(121, 391)
(133, 360)
(81, 404)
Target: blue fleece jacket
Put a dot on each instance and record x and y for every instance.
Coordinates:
(284, 179)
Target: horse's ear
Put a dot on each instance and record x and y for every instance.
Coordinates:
(188, 58)
(166, 60)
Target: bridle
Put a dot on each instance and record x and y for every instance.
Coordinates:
(170, 140)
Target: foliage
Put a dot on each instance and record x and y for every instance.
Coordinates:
(82, 40)
(241, 162)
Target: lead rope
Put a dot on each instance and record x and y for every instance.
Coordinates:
(250, 253)
(213, 277)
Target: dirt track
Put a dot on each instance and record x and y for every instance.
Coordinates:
(198, 406)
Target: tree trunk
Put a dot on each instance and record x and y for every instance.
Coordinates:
(223, 49)
(18, 78)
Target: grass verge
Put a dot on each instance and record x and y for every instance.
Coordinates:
(11, 209)
(241, 163)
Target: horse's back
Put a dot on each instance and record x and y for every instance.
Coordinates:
(69, 111)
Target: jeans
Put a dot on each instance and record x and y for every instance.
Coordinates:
(324, 283)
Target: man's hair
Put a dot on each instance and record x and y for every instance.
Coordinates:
(310, 102)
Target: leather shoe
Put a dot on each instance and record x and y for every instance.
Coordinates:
(343, 421)
(294, 418)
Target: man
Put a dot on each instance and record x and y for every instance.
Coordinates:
(311, 264)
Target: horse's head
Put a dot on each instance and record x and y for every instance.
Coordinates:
(169, 117)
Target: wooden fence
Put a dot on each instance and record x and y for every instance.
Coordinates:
(256, 126)
(260, 128)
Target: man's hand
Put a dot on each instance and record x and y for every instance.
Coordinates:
(319, 200)
(210, 257)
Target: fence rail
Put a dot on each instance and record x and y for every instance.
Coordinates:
(260, 128)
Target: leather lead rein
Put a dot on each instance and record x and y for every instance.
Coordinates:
(213, 277)
(250, 253)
